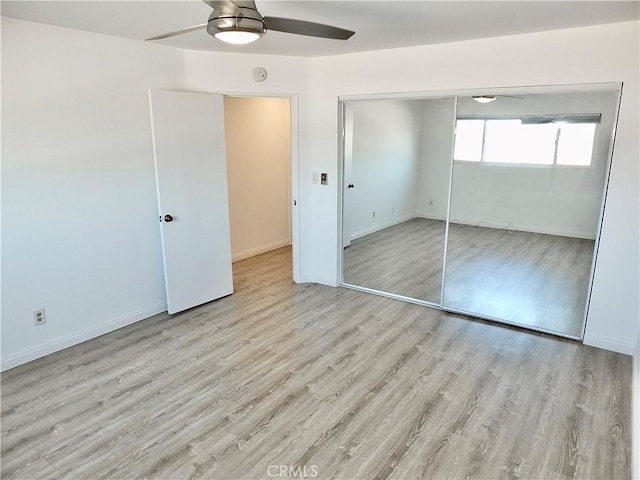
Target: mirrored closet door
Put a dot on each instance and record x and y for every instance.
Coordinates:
(488, 205)
(527, 187)
(397, 164)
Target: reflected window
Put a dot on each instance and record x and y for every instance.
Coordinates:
(575, 144)
(535, 140)
(469, 137)
(509, 141)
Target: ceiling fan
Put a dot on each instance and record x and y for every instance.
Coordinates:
(239, 22)
(491, 98)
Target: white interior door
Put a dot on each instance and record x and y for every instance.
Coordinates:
(191, 175)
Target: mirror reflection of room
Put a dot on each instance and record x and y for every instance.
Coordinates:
(397, 163)
(520, 179)
(527, 186)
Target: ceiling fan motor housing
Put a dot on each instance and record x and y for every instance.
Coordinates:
(241, 20)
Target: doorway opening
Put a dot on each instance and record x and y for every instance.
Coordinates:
(259, 150)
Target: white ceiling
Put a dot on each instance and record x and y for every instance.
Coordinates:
(378, 24)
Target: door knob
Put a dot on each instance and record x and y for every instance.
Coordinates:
(168, 218)
(351, 185)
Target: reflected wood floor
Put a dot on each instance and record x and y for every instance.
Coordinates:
(350, 385)
(405, 259)
(529, 279)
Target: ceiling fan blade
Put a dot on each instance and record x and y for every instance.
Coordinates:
(177, 32)
(300, 27)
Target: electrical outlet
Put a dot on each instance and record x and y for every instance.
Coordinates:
(393, 210)
(431, 203)
(373, 214)
(39, 317)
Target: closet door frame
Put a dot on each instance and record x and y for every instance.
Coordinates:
(511, 90)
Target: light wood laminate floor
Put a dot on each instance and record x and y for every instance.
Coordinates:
(529, 279)
(350, 385)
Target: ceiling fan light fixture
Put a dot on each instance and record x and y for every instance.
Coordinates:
(484, 98)
(237, 37)
(238, 30)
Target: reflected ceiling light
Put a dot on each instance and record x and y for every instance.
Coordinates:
(484, 98)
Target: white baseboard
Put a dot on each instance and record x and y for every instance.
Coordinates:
(381, 226)
(635, 413)
(605, 344)
(500, 226)
(262, 249)
(321, 279)
(76, 338)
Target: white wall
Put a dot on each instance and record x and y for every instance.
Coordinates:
(258, 141)
(80, 221)
(80, 228)
(438, 116)
(386, 158)
(606, 53)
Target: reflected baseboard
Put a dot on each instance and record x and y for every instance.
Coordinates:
(429, 216)
(526, 229)
(382, 226)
